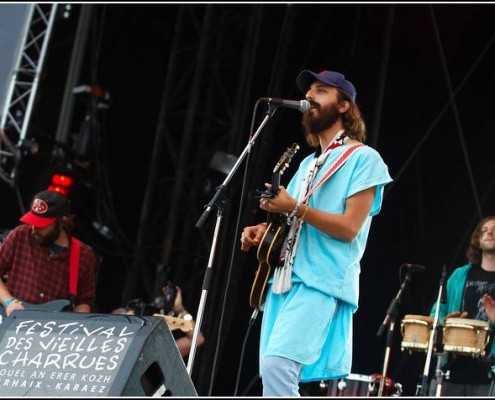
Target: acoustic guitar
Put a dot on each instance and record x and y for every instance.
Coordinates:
(271, 244)
(52, 305)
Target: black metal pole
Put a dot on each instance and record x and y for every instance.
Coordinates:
(390, 321)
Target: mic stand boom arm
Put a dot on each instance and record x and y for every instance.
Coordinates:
(206, 280)
(247, 149)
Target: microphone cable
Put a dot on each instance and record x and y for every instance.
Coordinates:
(251, 322)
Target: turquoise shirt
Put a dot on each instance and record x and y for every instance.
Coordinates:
(455, 294)
(324, 262)
(325, 274)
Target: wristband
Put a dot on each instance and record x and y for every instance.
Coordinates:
(304, 213)
(294, 211)
(12, 299)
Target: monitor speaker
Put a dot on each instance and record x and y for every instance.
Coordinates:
(46, 354)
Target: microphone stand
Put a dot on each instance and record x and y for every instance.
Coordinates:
(214, 201)
(390, 320)
(424, 381)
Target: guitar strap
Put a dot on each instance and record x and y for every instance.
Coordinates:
(282, 274)
(75, 250)
(338, 163)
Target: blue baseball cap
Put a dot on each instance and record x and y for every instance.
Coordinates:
(331, 78)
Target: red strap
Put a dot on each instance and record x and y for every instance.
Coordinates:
(338, 163)
(74, 265)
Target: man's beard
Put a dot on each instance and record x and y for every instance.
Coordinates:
(48, 239)
(488, 248)
(326, 118)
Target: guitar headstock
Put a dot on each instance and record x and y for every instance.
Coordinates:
(285, 160)
(176, 322)
(281, 166)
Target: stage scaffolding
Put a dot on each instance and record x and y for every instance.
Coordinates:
(22, 88)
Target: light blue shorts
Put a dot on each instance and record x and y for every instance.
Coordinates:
(310, 327)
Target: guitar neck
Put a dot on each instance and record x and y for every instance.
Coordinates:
(273, 238)
(275, 183)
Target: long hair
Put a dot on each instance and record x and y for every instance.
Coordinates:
(474, 252)
(352, 121)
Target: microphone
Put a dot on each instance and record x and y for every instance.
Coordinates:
(443, 281)
(301, 105)
(414, 267)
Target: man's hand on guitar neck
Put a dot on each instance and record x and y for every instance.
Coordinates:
(252, 235)
(281, 203)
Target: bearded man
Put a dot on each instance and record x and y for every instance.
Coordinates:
(469, 294)
(41, 262)
(329, 204)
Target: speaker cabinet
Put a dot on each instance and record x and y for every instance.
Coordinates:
(46, 354)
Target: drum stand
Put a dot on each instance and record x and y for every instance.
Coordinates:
(439, 374)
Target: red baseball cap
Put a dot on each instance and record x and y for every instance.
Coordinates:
(46, 207)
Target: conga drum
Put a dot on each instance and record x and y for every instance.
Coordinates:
(416, 331)
(465, 336)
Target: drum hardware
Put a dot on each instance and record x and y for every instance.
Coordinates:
(390, 320)
(357, 385)
(354, 385)
(397, 390)
(391, 388)
(439, 374)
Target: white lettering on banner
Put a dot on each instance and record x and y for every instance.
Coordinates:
(62, 356)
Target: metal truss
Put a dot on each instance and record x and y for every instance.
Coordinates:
(22, 89)
(205, 125)
(201, 112)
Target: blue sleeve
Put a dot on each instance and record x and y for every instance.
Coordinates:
(369, 170)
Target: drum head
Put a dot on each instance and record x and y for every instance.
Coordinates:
(420, 318)
(466, 321)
